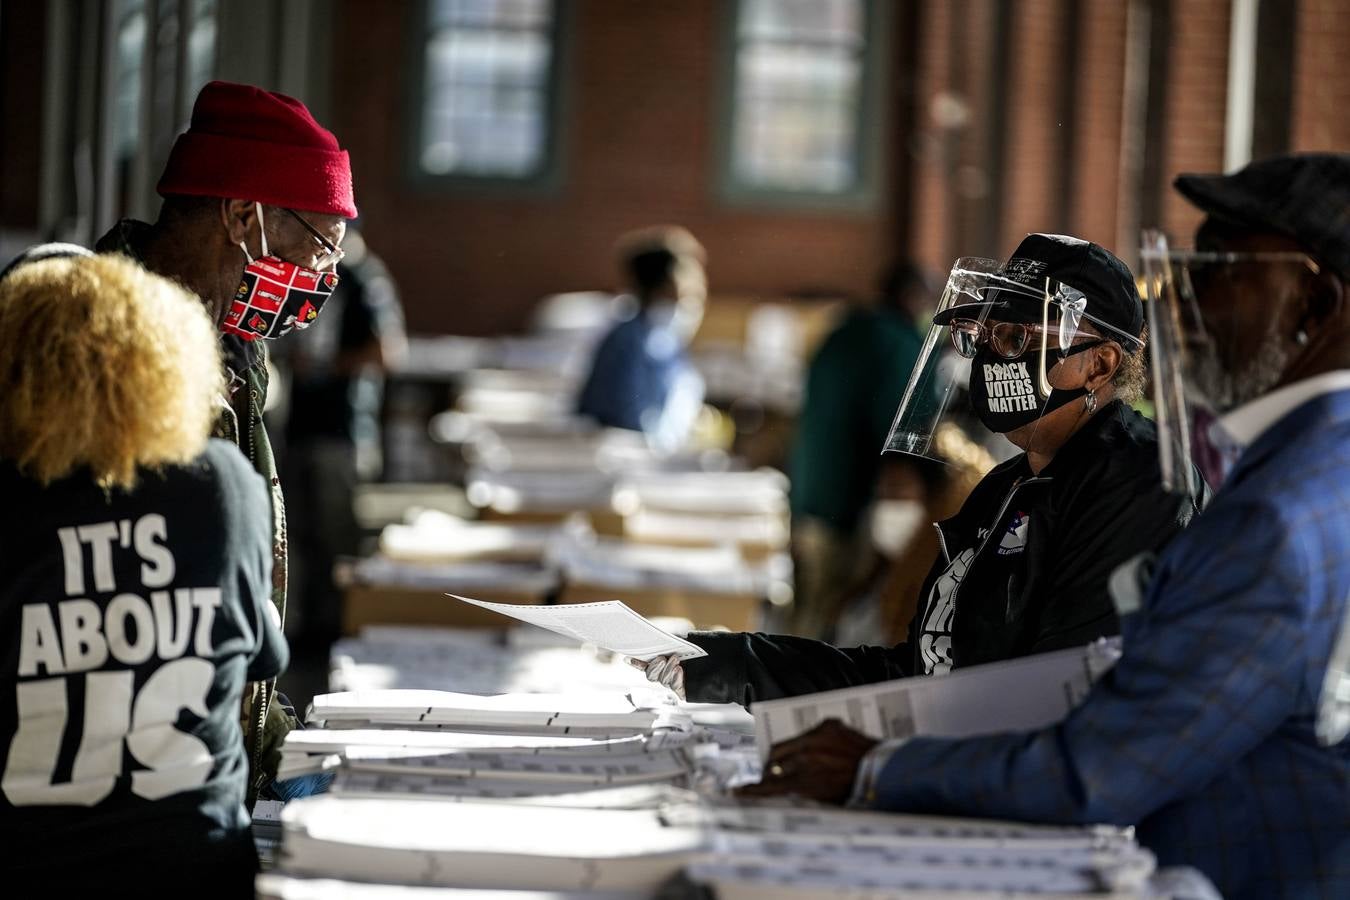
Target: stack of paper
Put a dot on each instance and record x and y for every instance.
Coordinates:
(524, 660)
(763, 491)
(752, 531)
(483, 845)
(807, 851)
(516, 396)
(539, 492)
(608, 450)
(292, 887)
(620, 790)
(445, 355)
(505, 774)
(310, 750)
(467, 577)
(621, 565)
(430, 536)
(455, 427)
(610, 715)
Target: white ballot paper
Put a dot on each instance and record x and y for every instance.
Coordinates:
(564, 713)
(483, 845)
(610, 625)
(1015, 695)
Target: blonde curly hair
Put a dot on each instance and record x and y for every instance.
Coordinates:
(106, 367)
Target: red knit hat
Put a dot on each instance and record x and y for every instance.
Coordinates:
(252, 144)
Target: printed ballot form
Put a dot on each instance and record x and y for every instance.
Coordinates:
(1012, 695)
(610, 625)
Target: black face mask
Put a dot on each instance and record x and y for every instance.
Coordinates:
(1003, 391)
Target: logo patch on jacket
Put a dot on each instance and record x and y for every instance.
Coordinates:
(1015, 535)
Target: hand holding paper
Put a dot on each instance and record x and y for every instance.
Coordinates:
(610, 625)
(664, 670)
(819, 765)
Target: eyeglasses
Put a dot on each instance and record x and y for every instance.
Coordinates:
(1218, 258)
(332, 254)
(1008, 339)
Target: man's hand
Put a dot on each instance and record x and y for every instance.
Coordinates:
(819, 765)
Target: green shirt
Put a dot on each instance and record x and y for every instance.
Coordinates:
(853, 388)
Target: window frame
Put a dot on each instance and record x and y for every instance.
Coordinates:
(548, 179)
(872, 122)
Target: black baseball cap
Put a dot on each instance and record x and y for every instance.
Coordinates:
(1304, 196)
(1105, 281)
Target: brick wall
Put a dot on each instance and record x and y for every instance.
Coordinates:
(1321, 76)
(1196, 105)
(1035, 136)
(637, 144)
(1099, 96)
(929, 143)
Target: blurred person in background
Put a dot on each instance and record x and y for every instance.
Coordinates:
(1223, 732)
(847, 407)
(257, 195)
(135, 589)
(641, 377)
(332, 430)
(1056, 338)
(910, 497)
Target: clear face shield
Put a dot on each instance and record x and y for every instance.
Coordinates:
(1204, 365)
(989, 360)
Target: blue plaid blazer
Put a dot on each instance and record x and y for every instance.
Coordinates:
(1203, 734)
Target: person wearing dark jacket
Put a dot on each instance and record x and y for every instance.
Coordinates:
(1024, 565)
(135, 590)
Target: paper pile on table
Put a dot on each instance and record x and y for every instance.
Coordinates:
(524, 659)
(433, 536)
(599, 714)
(484, 845)
(794, 851)
(616, 793)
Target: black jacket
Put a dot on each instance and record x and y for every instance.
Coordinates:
(1097, 504)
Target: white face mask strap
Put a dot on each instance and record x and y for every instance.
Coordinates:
(1042, 376)
(262, 231)
(262, 228)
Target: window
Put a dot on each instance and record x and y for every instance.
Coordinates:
(802, 112)
(487, 81)
(201, 49)
(160, 56)
(126, 94)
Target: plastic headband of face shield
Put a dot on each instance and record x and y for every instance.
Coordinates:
(979, 298)
(1020, 311)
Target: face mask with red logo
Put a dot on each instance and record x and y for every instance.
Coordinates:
(275, 296)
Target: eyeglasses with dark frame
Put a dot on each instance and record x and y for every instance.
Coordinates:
(332, 255)
(1008, 339)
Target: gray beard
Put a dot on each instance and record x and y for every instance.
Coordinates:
(1224, 391)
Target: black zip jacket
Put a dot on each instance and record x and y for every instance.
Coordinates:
(1097, 504)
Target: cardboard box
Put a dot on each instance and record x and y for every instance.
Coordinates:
(367, 604)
